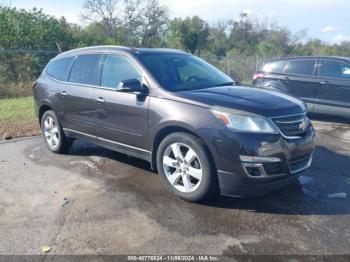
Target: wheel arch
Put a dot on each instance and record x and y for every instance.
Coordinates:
(42, 109)
(164, 132)
(275, 85)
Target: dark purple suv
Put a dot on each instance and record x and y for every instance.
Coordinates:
(202, 132)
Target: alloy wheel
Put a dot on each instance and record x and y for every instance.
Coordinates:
(182, 167)
(51, 132)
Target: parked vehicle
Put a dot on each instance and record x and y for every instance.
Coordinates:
(322, 82)
(201, 131)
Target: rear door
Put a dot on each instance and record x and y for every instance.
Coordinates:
(78, 99)
(299, 77)
(58, 70)
(333, 94)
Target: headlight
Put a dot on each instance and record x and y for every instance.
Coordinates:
(242, 121)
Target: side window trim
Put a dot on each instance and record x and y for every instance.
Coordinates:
(102, 68)
(71, 67)
(317, 67)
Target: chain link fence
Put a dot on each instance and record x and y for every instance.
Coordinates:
(240, 68)
(18, 70)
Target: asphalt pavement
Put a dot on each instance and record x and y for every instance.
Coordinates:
(95, 201)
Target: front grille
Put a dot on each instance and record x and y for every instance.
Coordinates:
(291, 126)
(273, 169)
(298, 163)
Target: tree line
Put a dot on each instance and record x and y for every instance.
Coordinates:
(147, 23)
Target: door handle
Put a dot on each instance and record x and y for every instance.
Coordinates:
(286, 79)
(324, 82)
(100, 100)
(64, 93)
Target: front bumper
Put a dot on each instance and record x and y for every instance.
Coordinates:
(232, 185)
(255, 164)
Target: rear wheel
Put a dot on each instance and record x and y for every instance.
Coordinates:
(54, 136)
(185, 168)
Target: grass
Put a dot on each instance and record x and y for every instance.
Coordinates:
(17, 118)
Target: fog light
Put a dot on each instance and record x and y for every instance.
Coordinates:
(253, 171)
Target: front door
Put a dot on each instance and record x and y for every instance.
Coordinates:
(120, 117)
(333, 94)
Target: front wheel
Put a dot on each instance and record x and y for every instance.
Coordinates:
(54, 136)
(185, 167)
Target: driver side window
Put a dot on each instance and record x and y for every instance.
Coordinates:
(117, 69)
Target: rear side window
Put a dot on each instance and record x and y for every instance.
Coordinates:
(300, 67)
(86, 70)
(274, 67)
(335, 69)
(59, 69)
(117, 69)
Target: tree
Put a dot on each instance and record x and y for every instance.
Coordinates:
(104, 13)
(218, 40)
(155, 17)
(244, 37)
(190, 34)
(131, 22)
(21, 29)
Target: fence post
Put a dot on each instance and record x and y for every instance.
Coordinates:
(256, 62)
(228, 66)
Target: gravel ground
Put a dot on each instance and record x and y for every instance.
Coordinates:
(95, 201)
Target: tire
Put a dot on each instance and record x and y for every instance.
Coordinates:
(54, 137)
(189, 172)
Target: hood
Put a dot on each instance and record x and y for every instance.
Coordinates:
(254, 100)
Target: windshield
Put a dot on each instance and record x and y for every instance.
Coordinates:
(180, 72)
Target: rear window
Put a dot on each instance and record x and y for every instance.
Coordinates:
(59, 69)
(86, 70)
(300, 67)
(274, 67)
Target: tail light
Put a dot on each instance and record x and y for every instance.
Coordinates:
(258, 75)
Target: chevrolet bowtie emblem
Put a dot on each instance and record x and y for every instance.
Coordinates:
(303, 125)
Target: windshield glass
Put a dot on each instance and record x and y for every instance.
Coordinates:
(179, 72)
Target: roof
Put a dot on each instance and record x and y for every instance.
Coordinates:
(112, 48)
(310, 57)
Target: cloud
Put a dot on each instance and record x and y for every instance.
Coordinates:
(272, 14)
(340, 38)
(328, 29)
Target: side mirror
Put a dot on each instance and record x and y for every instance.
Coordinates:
(132, 86)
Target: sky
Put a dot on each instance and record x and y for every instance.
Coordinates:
(328, 20)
